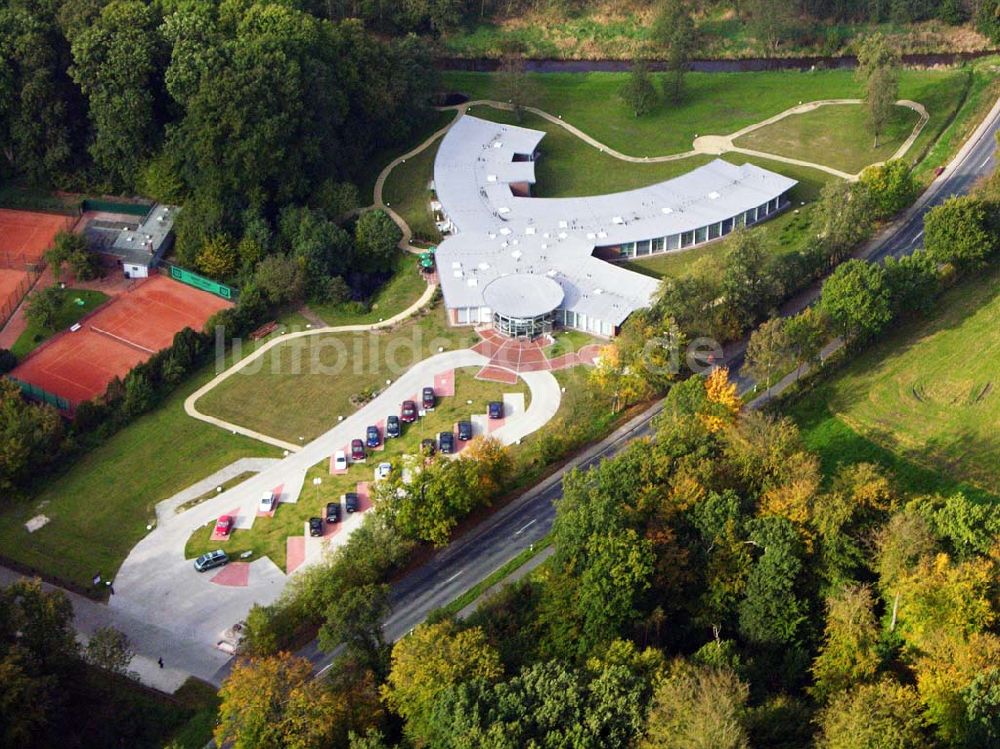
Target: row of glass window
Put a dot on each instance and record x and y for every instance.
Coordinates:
(703, 234)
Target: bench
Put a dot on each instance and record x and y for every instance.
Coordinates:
(263, 330)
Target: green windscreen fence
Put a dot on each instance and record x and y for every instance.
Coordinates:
(38, 394)
(200, 282)
(111, 206)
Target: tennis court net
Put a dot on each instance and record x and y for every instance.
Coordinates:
(125, 341)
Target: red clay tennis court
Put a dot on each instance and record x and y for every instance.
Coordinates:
(26, 235)
(123, 333)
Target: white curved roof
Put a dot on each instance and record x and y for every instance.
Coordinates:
(500, 234)
(523, 295)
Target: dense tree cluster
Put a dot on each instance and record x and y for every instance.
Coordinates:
(258, 116)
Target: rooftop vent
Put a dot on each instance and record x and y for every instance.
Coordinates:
(472, 282)
(617, 220)
(590, 235)
(491, 178)
(602, 235)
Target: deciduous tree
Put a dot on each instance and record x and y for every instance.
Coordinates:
(884, 714)
(638, 91)
(849, 653)
(769, 350)
(429, 660)
(856, 299)
(697, 707)
(377, 237)
(878, 69)
(956, 232)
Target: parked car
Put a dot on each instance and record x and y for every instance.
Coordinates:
(351, 501)
(373, 437)
(223, 525)
(427, 399)
(427, 447)
(357, 451)
(211, 560)
(340, 461)
(382, 471)
(446, 443)
(315, 526)
(465, 431)
(392, 428)
(496, 409)
(408, 414)
(333, 512)
(267, 502)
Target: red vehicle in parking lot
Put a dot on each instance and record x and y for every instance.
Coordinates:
(408, 414)
(224, 525)
(357, 450)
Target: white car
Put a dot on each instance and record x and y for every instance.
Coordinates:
(340, 461)
(267, 502)
(382, 471)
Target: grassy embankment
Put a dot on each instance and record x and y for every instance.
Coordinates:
(924, 402)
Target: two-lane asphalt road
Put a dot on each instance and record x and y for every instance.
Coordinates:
(472, 557)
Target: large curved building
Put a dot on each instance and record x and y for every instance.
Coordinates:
(526, 264)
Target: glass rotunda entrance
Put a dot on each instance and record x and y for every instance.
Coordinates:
(523, 304)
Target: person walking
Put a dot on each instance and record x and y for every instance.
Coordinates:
(160, 661)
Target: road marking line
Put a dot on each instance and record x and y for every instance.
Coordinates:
(324, 669)
(453, 576)
(525, 527)
(985, 162)
(919, 235)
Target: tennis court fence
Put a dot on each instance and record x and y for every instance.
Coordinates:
(35, 393)
(15, 297)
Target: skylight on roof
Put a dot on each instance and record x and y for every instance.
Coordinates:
(530, 230)
(505, 231)
(456, 264)
(491, 178)
(484, 266)
(563, 224)
(472, 282)
(590, 235)
(713, 195)
(562, 235)
(458, 274)
(668, 210)
(516, 254)
(503, 209)
(498, 144)
(617, 220)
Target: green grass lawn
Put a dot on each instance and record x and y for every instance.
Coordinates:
(397, 294)
(925, 401)
(715, 103)
(68, 313)
(299, 388)
(569, 341)
(267, 536)
(568, 167)
(100, 506)
(405, 191)
(835, 136)
(381, 158)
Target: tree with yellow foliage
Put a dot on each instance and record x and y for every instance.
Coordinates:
(849, 654)
(721, 394)
(622, 383)
(274, 703)
(430, 659)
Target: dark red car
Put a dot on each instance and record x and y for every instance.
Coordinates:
(408, 414)
(357, 450)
